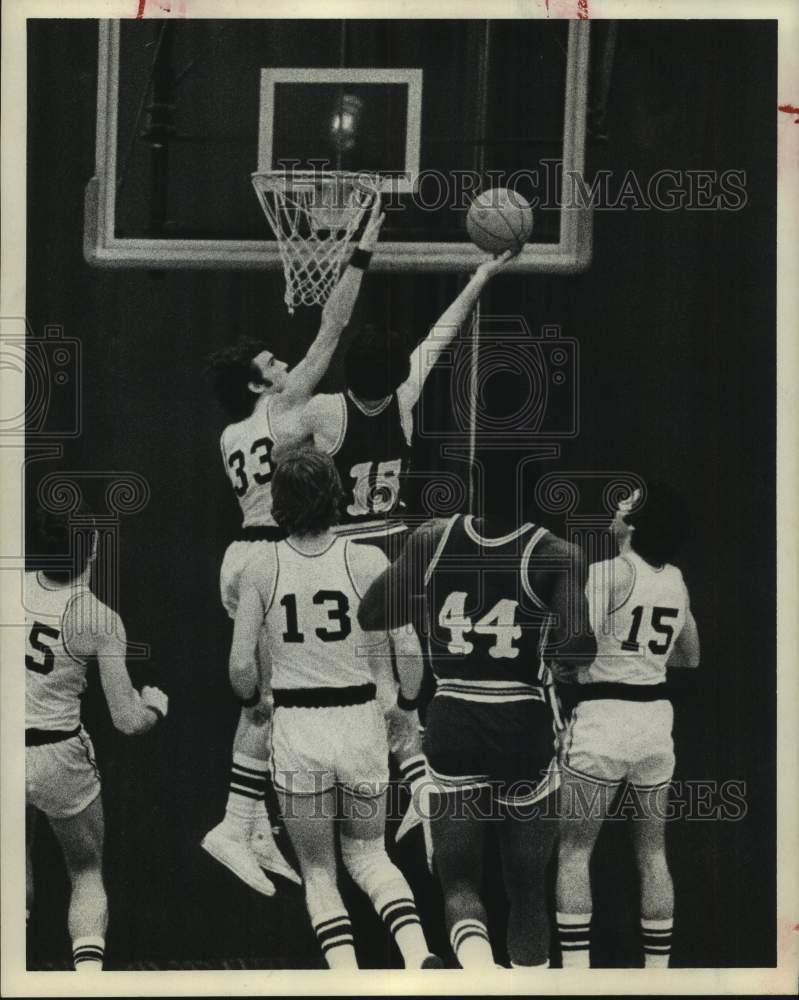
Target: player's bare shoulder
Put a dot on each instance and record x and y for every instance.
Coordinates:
(317, 421)
(551, 544)
(364, 563)
(90, 626)
(260, 575)
(326, 415)
(431, 531)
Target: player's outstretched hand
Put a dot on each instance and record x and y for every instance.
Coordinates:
(490, 267)
(154, 697)
(564, 675)
(371, 232)
(261, 713)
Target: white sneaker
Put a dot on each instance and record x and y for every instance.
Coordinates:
(267, 853)
(237, 857)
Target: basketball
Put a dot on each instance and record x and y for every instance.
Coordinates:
(499, 220)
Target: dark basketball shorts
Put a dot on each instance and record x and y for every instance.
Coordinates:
(508, 747)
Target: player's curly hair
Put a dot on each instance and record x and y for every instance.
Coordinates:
(60, 544)
(377, 363)
(306, 492)
(230, 370)
(661, 523)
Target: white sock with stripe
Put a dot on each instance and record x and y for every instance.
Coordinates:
(88, 954)
(574, 932)
(246, 795)
(469, 940)
(413, 771)
(397, 910)
(334, 933)
(656, 936)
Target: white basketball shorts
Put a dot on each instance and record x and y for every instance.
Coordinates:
(62, 778)
(314, 749)
(609, 741)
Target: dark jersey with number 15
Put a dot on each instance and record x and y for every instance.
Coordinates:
(486, 625)
(372, 456)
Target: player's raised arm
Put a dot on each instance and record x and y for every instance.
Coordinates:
(410, 666)
(131, 712)
(446, 328)
(306, 421)
(389, 602)
(368, 565)
(302, 380)
(570, 640)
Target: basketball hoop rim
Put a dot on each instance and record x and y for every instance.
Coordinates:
(304, 180)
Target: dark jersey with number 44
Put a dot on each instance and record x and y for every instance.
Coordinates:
(486, 625)
(372, 456)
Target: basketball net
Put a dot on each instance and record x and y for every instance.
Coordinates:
(313, 215)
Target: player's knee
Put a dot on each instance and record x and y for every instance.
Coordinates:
(462, 894)
(85, 867)
(651, 860)
(524, 883)
(368, 863)
(573, 844)
(85, 857)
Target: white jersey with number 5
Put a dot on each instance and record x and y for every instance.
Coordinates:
(637, 612)
(312, 631)
(247, 454)
(54, 679)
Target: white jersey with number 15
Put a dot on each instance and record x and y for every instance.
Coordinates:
(637, 612)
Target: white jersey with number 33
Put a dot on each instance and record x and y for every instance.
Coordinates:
(637, 624)
(247, 454)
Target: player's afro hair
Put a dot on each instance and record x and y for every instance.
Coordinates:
(230, 370)
(306, 492)
(661, 522)
(378, 361)
(60, 543)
